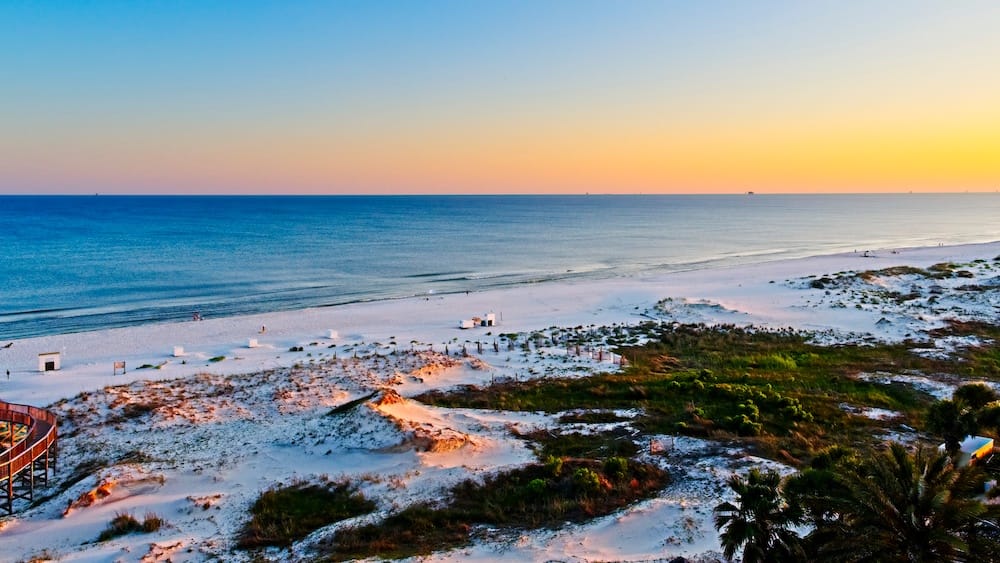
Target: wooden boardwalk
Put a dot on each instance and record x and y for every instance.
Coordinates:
(28, 454)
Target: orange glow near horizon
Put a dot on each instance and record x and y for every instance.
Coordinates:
(652, 97)
(848, 158)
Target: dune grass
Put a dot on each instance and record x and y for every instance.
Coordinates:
(538, 495)
(124, 523)
(772, 389)
(283, 515)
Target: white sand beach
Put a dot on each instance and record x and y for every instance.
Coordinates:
(232, 420)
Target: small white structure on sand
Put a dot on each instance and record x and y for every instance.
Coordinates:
(178, 351)
(489, 320)
(252, 343)
(333, 335)
(972, 449)
(49, 361)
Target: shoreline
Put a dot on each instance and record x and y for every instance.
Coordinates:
(434, 319)
(249, 257)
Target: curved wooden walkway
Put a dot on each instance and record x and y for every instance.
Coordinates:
(22, 460)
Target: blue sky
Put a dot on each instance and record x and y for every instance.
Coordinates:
(401, 97)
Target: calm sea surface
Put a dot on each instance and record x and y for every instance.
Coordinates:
(88, 262)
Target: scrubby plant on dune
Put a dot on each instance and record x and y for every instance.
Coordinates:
(283, 515)
(538, 495)
(124, 523)
(773, 389)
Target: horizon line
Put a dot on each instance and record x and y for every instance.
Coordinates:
(479, 194)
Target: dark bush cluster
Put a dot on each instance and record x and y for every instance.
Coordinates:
(546, 494)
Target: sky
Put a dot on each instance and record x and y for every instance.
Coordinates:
(533, 96)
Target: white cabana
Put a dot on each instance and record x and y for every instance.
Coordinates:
(49, 361)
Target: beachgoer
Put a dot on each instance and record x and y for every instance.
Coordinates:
(263, 329)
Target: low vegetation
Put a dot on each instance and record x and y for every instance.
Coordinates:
(772, 390)
(124, 523)
(283, 515)
(888, 506)
(797, 402)
(545, 494)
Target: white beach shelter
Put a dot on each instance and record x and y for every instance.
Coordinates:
(252, 343)
(178, 351)
(49, 361)
(333, 335)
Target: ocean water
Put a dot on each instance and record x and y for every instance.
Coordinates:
(75, 263)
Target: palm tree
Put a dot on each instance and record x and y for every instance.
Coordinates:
(975, 395)
(953, 420)
(906, 508)
(760, 520)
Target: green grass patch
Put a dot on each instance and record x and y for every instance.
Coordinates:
(772, 389)
(615, 442)
(981, 361)
(217, 359)
(536, 496)
(283, 515)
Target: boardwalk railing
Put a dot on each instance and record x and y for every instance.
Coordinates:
(21, 460)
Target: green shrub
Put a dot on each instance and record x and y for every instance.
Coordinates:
(283, 515)
(586, 481)
(616, 467)
(507, 500)
(775, 362)
(554, 465)
(536, 486)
